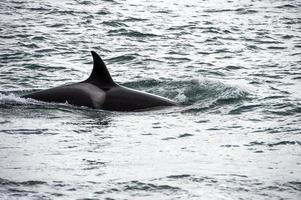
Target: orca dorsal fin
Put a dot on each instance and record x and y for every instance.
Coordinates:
(100, 75)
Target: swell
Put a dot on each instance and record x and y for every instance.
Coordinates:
(194, 95)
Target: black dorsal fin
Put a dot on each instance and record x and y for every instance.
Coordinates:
(100, 75)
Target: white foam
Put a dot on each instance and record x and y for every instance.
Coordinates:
(12, 98)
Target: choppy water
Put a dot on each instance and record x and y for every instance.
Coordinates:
(235, 66)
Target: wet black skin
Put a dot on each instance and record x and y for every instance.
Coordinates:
(99, 91)
(124, 99)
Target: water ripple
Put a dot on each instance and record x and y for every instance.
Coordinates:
(234, 67)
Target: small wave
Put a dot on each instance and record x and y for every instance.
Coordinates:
(26, 131)
(275, 97)
(38, 38)
(95, 163)
(7, 36)
(111, 1)
(296, 54)
(17, 55)
(85, 2)
(29, 45)
(216, 91)
(56, 25)
(263, 41)
(295, 185)
(247, 11)
(286, 6)
(238, 10)
(44, 50)
(180, 59)
(221, 10)
(229, 145)
(131, 33)
(244, 108)
(124, 58)
(276, 47)
(185, 135)
(193, 178)
(257, 143)
(287, 36)
(6, 182)
(285, 143)
(43, 9)
(234, 67)
(168, 138)
(62, 12)
(32, 66)
(114, 23)
(284, 109)
(211, 72)
(218, 51)
(102, 12)
(179, 176)
(137, 185)
(214, 30)
(291, 21)
(133, 19)
(4, 122)
(182, 27)
(20, 189)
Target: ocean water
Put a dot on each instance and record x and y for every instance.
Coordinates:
(234, 66)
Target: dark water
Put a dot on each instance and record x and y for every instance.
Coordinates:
(235, 67)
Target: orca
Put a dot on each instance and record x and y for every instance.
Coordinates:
(99, 91)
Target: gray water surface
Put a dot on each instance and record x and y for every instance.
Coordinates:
(234, 66)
